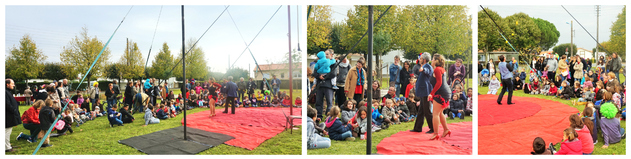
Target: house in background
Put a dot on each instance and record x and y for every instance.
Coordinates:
(280, 70)
(584, 53)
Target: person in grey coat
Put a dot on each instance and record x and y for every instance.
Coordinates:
(149, 118)
(552, 66)
(342, 71)
(616, 65)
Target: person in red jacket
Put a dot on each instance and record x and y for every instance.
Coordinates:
(286, 102)
(583, 134)
(298, 102)
(410, 86)
(30, 121)
(571, 145)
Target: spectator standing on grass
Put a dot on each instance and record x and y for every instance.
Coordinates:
(231, 92)
(275, 84)
(27, 95)
(404, 78)
(355, 82)
(457, 71)
(342, 72)
(394, 69)
(12, 114)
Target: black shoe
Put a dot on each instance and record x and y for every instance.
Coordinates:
(415, 131)
(225, 112)
(9, 150)
(510, 103)
(430, 132)
(46, 145)
(500, 103)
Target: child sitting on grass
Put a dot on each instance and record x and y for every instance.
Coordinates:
(246, 102)
(114, 117)
(578, 91)
(571, 144)
(456, 107)
(552, 89)
(534, 86)
(610, 125)
(377, 118)
(314, 140)
(403, 111)
(298, 102)
(126, 116)
(161, 113)
(494, 85)
(348, 111)
(361, 123)
(149, 118)
(518, 83)
(286, 102)
(46, 119)
(275, 102)
(259, 99)
(539, 147)
(566, 91)
(337, 129)
(389, 114)
(588, 120)
(583, 132)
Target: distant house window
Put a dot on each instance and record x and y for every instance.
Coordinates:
(297, 74)
(282, 75)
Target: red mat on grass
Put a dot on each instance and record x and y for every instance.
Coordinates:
(260, 117)
(412, 143)
(491, 113)
(248, 137)
(515, 137)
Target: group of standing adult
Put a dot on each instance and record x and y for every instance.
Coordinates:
(431, 87)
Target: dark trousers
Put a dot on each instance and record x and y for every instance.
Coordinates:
(507, 85)
(340, 96)
(321, 93)
(241, 95)
(551, 74)
(423, 113)
(34, 128)
(358, 97)
(230, 101)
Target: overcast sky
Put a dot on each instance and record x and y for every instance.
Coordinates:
(585, 14)
(52, 27)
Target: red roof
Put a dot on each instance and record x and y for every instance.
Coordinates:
(278, 66)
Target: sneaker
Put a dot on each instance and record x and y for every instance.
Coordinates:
(19, 136)
(350, 139)
(111, 125)
(595, 142)
(335, 87)
(32, 141)
(46, 145)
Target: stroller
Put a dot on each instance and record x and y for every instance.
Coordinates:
(484, 77)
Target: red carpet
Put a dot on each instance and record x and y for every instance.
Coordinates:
(491, 113)
(266, 123)
(412, 143)
(515, 137)
(258, 117)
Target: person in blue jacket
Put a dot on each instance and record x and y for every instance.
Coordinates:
(113, 116)
(337, 129)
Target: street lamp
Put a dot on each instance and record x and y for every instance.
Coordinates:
(571, 37)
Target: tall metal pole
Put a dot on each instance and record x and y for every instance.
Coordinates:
(184, 70)
(369, 61)
(597, 29)
(571, 38)
(291, 95)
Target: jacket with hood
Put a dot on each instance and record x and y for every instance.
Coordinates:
(323, 65)
(375, 113)
(586, 139)
(347, 114)
(336, 128)
(31, 116)
(388, 112)
(342, 72)
(573, 147)
(46, 117)
(457, 104)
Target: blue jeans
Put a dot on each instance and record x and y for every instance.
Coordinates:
(321, 142)
(345, 135)
(116, 120)
(617, 76)
(276, 90)
(111, 102)
(324, 93)
(398, 89)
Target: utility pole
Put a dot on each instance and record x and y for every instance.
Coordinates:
(597, 28)
(571, 38)
(369, 61)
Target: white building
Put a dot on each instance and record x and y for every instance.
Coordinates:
(584, 53)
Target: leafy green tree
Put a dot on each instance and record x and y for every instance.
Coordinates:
(81, 52)
(526, 35)
(236, 73)
(24, 61)
(162, 64)
(560, 49)
(53, 71)
(619, 35)
(489, 37)
(131, 63)
(338, 30)
(318, 29)
(549, 33)
(114, 71)
(443, 29)
(195, 62)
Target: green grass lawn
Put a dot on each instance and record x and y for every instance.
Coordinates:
(618, 148)
(358, 147)
(97, 138)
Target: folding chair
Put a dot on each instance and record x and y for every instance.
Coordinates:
(290, 121)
